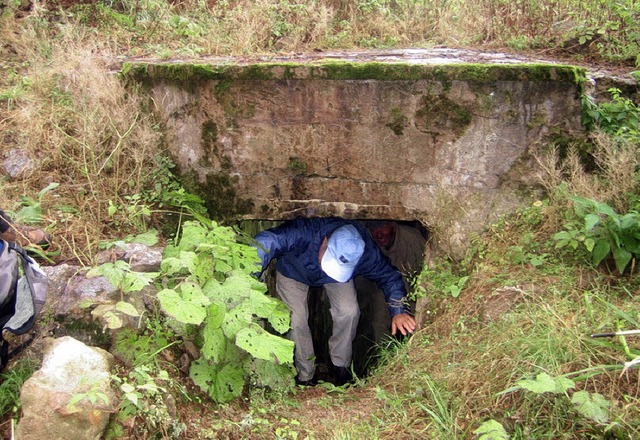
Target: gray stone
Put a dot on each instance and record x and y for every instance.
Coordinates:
(18, 163)
(70, 370)
(143, 258)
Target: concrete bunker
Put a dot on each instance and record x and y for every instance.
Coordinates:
(411, 136)
(403, 136)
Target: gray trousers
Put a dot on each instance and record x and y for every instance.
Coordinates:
(344, 314)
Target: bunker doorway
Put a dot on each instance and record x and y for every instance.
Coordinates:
(374, 326)
(406, 252)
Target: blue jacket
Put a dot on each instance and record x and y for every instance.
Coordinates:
(296, 246)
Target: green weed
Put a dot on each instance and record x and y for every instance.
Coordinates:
(11, 382)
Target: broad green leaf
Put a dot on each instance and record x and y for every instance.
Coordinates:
(215, 314)
(203, 268)
(203, 373)
(590, 221)
(233, 291)
(629, 221)
(622, 258)
(149, 238)
(600, 251)
(592, 405)
(133, 398)
(589, 243)
(188, 306)
(223, 266)
(215, 344)
(113, 272)
(562, 235)
(101, 310)
(269, 374)
(193, 234)
(228, 383)
(607, 210)
(544, 383)
(113, 321)
(222, 383)
(136, 281)
(263, 345)
(185, 261)
(127, 308)
(127, 388)
(272, 309)
(491, 430)
(193, 293)
(236, 319)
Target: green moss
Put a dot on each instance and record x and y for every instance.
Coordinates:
(209, 135)
(88, 331)
(221, 199)
(341, 70)
(398, 121)
(296, 166)
(221, 88)
(257, 72)
(441, 115)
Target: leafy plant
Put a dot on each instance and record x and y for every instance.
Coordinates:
(148, 238)
(604, 233)
(438, 280)
(211, 287)
(93, 395)
(491, 430)
(122, 277)
(31, 210)
(146, 398)
(592, 406)
(618, 117)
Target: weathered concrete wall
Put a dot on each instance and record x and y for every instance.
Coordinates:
(451, 145)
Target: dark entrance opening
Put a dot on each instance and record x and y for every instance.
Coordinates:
(374, 327)
(405, 252)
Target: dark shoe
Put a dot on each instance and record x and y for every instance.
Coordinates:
(343, 376)
(306, 383)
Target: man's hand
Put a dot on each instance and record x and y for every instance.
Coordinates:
(403, 322)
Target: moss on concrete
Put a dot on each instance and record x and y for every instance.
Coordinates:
(341, 70)
(398, 121)
(297, 166)
(221, 199)
(439, 114)
(209, 135)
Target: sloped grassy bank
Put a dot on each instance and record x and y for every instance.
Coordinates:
(507, 351)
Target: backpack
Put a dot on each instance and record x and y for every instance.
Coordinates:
(23, 291)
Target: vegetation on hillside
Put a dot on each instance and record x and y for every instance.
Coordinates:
(506, 350)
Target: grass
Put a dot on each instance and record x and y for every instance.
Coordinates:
(526, 307)
(11, 382)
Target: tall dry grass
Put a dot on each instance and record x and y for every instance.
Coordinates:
(612, 180)
(87, 133)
